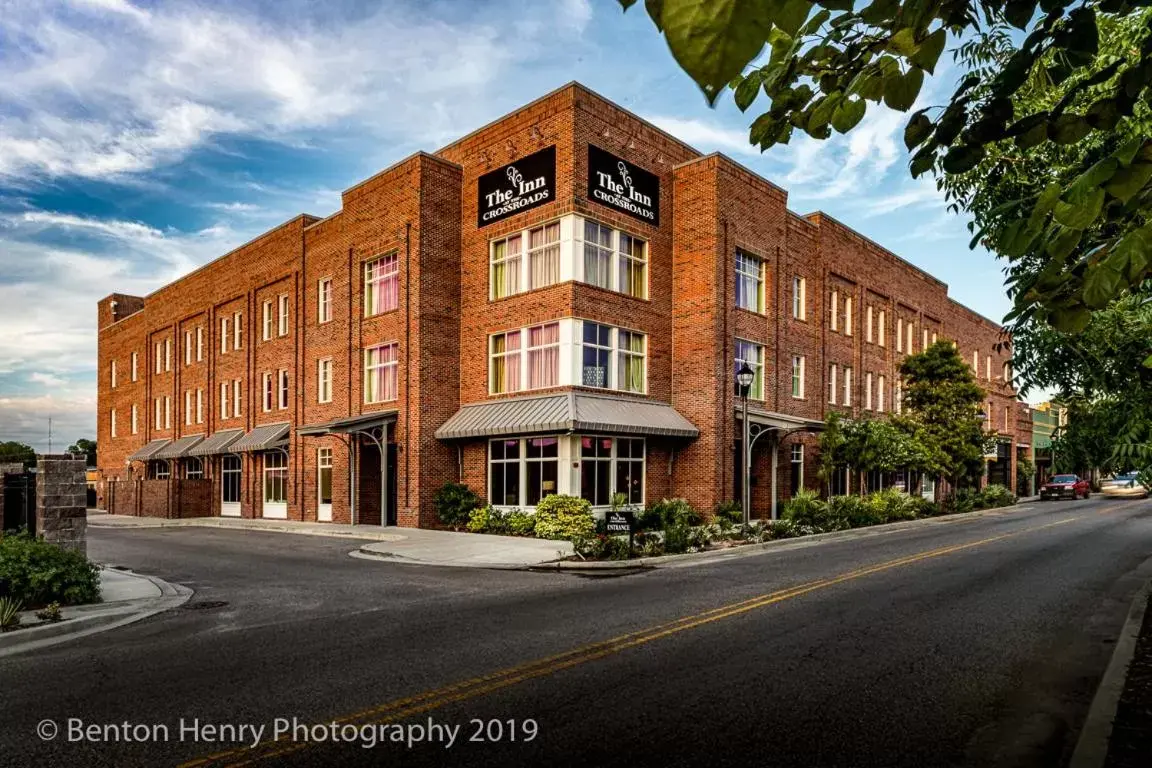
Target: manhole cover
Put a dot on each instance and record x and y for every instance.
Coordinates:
(204, 605)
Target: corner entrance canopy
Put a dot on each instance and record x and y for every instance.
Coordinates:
(780, 421)
(217, 443)
(262, 438)
(178, 448)
(349, 424)
(567, 412)
(149, 450)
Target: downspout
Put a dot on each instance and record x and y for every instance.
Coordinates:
(726, 390)
(352, 454)
(459, 463)
(407, 369)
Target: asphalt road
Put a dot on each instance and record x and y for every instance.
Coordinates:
(967, 641)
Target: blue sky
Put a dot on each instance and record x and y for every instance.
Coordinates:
(139, 140)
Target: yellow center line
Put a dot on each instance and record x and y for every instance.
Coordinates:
(408, 706)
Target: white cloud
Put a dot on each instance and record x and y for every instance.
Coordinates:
(25, 419)
(47, 379)
(706, 136)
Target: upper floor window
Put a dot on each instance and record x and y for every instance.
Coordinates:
(223, 335)
(112, 374)
(225, 412)
(381, 284)
(283, 380)
(1007, 372)
(199, 343)
(799, 298)
(751, 354)
(269, 393)
(847, 399)
(324, 380)
(987, 368)
(847, 315)
(832, 370)
(909, 345)
(381, 364)
(528, 358)
(868, 324)
(899, 334)
(159, 356)
(237, 330)
(135, 419)
(975, 362)
(236, 401)
(881, 328)
(612, 358)
(798, 365)
(544, 255)
(135, 357)
(834, 310)
(167, 354)
(112, 423)
(283, 314)
(881, 386)
(868, 391)
(898, 397)
(749, 282)
(268, 320)
(924, 340)
(324, 300)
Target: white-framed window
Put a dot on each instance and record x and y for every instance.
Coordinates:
(199, 406)
(135, 419)
(283, 314)
(521, 471)
(544, 255)
(188, 347)
(381, 284)
(898, 397)
(225, 412)
(834, 310)
(159, 357)
(1005, 418)
(909, 345)
(933, 338)
(504, 358)
(899, 334)
(752, 354)
(633, 266)
(1006, 372)
(832, 371)
(193, 468)
(324, 475)
(324, 302)
(799, 298)
(167, 354)
(598, 254)
(275, 477)
(796, 454)
(606, 257)
(112, 374)
(282, 380)
(847, 399)
(631, 361)
(609, 466)
(324, 380)
(230, 471)
(975, 363)
(135, 358)
(381, 365)
(987, 368)
(868, 324)
(868, 391)
(525, 358)
(236, 401)
(507, 259)
(112, 423)
(268, 320)
(882, 329)
(923, 339)
(167, 412)
(799, 363)
(847, 315)
(224, 335)
(238, 330)
(187, 407)
(158, 416)
(199, 343)
(881, 387)
(749, 282)
(269, 393)
(612, 358)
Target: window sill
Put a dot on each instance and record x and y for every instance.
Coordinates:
(381, 313)
(754, 312)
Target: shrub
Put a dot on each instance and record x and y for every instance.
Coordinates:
(889, 505)
(50, 613)
(564, 517)
(601, 547)
(699, 538)
(996, 496)
(851, 512)
(479, 519)
(454, 504)
(962, 501)
(648, 545)
(784, 528)
(806, 508)
(36, 573)
(923, 507)
(9, 613)
(676, 539)
(520, 523)
(667, 512)
(729, 511)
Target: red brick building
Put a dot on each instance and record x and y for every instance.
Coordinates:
(556, 302)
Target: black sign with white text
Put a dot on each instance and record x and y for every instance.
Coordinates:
(618, 522)
(619, 184)
(518, 186)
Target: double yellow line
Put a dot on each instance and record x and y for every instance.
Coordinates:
(401, 709)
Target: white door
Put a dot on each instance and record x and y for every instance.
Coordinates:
(230, 486)
(275, 486)
(324, 485)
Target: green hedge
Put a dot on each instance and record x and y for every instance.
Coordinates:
(563, 517)
(38, 573)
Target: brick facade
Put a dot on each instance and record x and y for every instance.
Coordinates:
(423, 213)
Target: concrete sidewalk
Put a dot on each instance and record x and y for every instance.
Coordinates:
(420, 546)
(98, 519)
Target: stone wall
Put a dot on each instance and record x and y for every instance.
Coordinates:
(61, 500)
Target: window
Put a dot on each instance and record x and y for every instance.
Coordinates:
(600, 344)
(199, 406)
(159, 357)
(504, 362)
(268, 384)
(847, 315)
(868, 391)
(112, 373)
(380, 369)
(975, 363)
(134, 359)
(597, 353)
(275, 477)
(899, 334)
(881, 384)
(159, 470)
(504, 274)
(924, 339)
(521, 472)
(749, 282)
(609, 466)
(797, 455)
(832, 384)
(882, 330)
(187, 406)
(267, 320)
(834, 310)
(324, 475)
(157, 420)
(898, 397)
(987, 368)
(631, 361)
(324, 380)
(798, 365)
(199, 343)
(283, 316)
(933, 338)
(167, 354)
(282, 377)
(753, 355)
(542, 468)
(847, 399)
(544, 356)
(236, 401)
(193, 468)
(237, 330)
(909, 344)
(1005, 418)
(1006, 372)
(504, 472)
(598, 254)
(187, 347)
(324, 304)
(868, 324)
(224, 412)
(799, 298)
(167, 412)
(633, 266)
(112, 423)
(135, 420)
(223, 335)
(230, 479)
(381, 284)
(544, 255)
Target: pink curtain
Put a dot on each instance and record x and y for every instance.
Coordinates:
(544, 356)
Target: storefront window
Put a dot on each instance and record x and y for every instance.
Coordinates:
(543, 468)
(609, 466)
(275, 478)
(230, 479)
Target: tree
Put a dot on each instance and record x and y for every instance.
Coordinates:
(943, 404)
(1085, 237)
(86, 447)
(12, 452)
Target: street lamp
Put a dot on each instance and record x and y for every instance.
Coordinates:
(744, 378)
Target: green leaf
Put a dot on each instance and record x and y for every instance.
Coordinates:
(1019, 12)
(748, 89)
(822, 112)
(1081, 213)
(963, 158)
(1068, 129)
(789, 15)
(918, 129)
(762, 127)
(1104, 114)
(1128, 181)
(835, 5)
(1127, 152)
(929, 51)
(655, 8)
(1095, 176)
(1063, 244)
(1044, 204)
(1034, 136)
(1133, 253)
(848, 113)
(1101, 285)
(900, 91)
(923, 161)
(814, 23)
(1070, 319)
(714, 41)
(1148, 361)
(903, 42)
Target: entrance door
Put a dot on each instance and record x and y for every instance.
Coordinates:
(368, 480)
(324, 485)
(275, 485)
(230, 486)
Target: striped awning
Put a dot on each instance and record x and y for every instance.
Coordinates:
(178, 448)
(567, 412)
(262, 438)
(149, 450)
(219, 442)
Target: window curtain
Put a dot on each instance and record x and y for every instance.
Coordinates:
(631, 372)
(544, 356)
(544, 255)
(597, 254)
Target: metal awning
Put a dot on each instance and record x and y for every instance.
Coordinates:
(178, 448)
(216, 443)
(349, 424)
(149, 450)
(262, 438)
(567, 412)
(781, 421)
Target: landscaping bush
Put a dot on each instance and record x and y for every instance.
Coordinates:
(564, 517)
(601, 547)
(994, 496)
(962, 501)
(889, 505)
(851, 512)
(676, 538)
(806, 508)
(36, 573)
(661, 514)
(10, 613)
(454, 504)
(729, 511)
(648, 545)
(520, 523)
(923, 507)
(784, 528)
(479, 519)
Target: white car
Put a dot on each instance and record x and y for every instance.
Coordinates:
(1124, 486)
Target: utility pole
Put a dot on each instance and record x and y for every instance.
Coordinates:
(49, 434)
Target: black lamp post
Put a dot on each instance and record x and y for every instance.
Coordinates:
(744, 378)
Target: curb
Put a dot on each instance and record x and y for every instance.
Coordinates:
(390, 557)
(85, 620)
(1092, 745)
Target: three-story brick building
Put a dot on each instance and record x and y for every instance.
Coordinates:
(555, 303)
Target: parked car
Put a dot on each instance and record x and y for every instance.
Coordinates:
(1065, 487)
(1124, 486)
